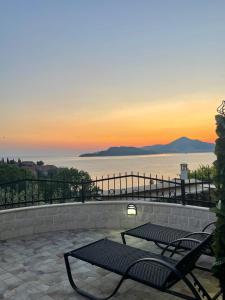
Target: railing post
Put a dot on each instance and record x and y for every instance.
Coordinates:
(25, 196)
(183, 192)
(82, 191)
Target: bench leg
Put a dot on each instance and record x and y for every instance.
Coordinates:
(123, 237)
(82, 292)
(202, 289)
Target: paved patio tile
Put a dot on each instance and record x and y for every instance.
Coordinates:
(32, 268)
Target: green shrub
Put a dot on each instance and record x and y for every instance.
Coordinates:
(203, 172)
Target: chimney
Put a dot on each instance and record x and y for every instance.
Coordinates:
(184, 171)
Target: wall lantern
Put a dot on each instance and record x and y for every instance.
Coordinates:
(131, 209)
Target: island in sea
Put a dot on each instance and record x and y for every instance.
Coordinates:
(181, 145)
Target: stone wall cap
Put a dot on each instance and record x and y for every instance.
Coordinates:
(107, 202)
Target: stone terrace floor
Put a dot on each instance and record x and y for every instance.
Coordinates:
(33, 268)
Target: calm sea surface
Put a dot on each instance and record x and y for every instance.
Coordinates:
(161, 164)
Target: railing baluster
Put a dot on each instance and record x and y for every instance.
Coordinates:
(120, 186)
(51, 192)
(108, 186)
(169, 190)
(32, 193)
(150, 186)
(144, 185)
(5, 199)
(138, 184)
(114, 185)
(175, 192)
(11, 193)
(18, 191)
(96, 188)
(132, 184)
(126, 183)
(45, 194)
(25, 198)
(196, 188)
(83, 191)
(202, 187)
(38, 195)
(102, 193)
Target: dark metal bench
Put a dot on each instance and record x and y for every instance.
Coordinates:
(157, 271)
(163, 235)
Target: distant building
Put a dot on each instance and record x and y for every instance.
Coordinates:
(39, 169)
(46, 170)
(29, 165)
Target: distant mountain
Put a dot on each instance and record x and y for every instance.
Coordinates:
(181, 145)
(120, 151)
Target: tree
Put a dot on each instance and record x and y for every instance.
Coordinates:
(65, 183)
(203, 172)
(71, 174)
(61, 184)
(219, 244)
(11, 172)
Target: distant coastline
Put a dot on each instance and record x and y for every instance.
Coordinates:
(180, 145)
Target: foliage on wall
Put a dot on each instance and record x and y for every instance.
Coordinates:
(219, 243)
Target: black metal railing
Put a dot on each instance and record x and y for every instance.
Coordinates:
(29, 192)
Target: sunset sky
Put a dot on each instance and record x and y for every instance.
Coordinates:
(88, 74)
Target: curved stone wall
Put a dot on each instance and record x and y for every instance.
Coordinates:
(93, 215)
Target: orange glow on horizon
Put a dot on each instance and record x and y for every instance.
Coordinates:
(139, 124)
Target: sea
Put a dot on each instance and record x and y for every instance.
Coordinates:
(166, 165)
